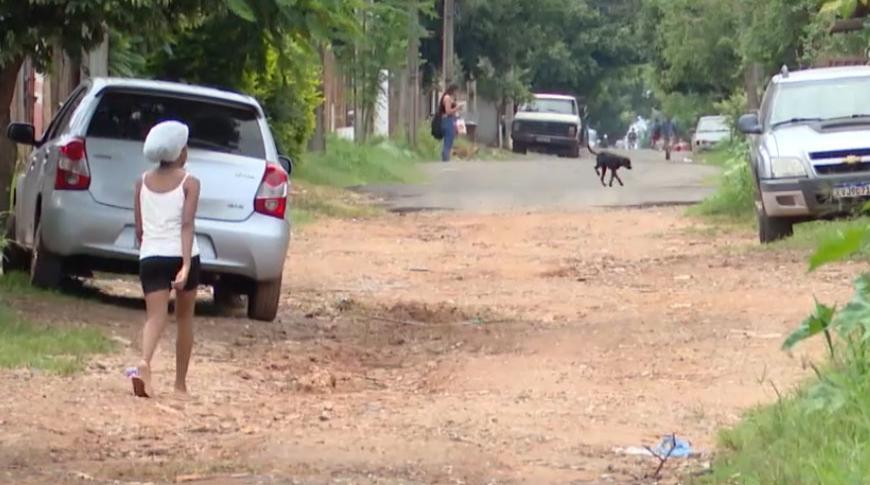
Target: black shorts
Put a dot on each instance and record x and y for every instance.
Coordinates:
(158, 272)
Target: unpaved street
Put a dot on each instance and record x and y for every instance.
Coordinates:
(538, 182)
(471, 346)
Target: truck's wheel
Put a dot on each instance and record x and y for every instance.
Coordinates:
(12, 256)
(519, 148)
(574, 151)
(263, 301)
(46, 269)
(772, 229)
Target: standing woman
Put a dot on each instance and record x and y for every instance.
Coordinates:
(165, 206)
(448, 108)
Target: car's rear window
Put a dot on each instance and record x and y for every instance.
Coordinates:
(711, 125)
(227, 128)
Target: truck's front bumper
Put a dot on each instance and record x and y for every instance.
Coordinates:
(531, 140)
(810, 198)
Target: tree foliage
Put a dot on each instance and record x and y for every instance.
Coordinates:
(512, 47)
(385, 30)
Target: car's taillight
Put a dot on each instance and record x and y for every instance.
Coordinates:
(271, 198)
(72, 167)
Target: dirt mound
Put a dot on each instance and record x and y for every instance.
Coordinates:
(417, 312)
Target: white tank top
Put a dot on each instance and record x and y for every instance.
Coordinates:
(161, 222)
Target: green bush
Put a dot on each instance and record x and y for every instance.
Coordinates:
(733, 108)
(735, 190)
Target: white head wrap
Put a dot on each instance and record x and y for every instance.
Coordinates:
(165, 141)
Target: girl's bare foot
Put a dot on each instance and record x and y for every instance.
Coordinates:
(145, 375)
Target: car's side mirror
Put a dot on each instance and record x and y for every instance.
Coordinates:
(22, 133)
(749, 124)
(286, 163)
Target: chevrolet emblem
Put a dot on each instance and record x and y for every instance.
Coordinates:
(852, 160)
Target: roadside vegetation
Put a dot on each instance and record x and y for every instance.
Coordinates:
(733, 201)
(28, 344)
(346, 164)
(322, 177)
(820, 432)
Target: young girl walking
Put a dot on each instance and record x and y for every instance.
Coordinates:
(165, 206)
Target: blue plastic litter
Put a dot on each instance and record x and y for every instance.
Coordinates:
(673, 447)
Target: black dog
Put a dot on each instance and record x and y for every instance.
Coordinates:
(605, 161)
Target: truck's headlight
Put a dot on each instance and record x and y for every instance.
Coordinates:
(572, 130)
(782, 167)
(517, 126)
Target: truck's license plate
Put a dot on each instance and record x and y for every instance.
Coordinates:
(543, 139)
(851, 191)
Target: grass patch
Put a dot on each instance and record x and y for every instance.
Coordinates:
(346, 164)
(313, 201)
(320, 178)
(18, 283)
(719, 156)
(809, 235)
(56, 350)
(801, 439)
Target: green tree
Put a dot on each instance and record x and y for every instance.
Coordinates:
(251, 29)
(33, 29)
(513, 46)
(387, 27)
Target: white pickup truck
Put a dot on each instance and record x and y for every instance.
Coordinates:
(548, 123)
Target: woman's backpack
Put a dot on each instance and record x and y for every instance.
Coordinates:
(437, 129)
(437, 125)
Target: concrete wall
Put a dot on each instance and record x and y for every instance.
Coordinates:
(487, 119)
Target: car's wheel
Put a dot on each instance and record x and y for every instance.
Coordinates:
(46, 269)
(519, 148)
(574, 151)
(263, 301)
(12, 257)
(772, 229)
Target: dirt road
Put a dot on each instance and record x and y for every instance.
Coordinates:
(515, 347)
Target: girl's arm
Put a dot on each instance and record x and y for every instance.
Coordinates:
(137, 210)
(188, 219)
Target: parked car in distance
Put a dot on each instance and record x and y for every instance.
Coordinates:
(709, 132)
(810, 147)
(73, 198)
(550, 123)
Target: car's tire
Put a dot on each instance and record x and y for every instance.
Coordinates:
(574, 151)
(46, 269)
(519, 148)
(772, 229)
(264, 300)
(12, 257)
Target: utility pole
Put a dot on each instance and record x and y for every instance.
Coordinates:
(411, 79)
(447, 49)
(318, 138)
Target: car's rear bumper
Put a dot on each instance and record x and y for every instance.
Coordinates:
(810, 198)
(74, 225)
